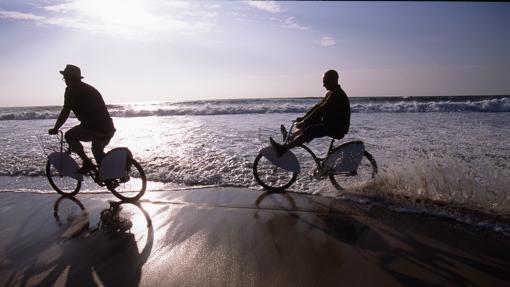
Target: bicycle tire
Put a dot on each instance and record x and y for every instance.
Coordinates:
(66, 186)
(137, 186)
(266, 182)
(56, 208)
(368, 171)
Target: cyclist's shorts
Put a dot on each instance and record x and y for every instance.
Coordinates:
(319, 130)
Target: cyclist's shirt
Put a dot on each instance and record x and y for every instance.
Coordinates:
(89, 108)
(332, 116)
(337, 112)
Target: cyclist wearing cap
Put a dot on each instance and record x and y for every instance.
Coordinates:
(331, 117)
(88, 106)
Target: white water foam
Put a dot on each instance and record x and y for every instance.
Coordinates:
(461, 159)
(258, 106)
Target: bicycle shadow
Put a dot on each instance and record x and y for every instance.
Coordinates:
(77, 254)
(404, 245)
(333, 222)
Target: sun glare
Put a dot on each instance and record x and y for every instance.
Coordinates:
(116, 12)
(118, 15)
(133, 18)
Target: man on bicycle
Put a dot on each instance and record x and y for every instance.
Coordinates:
(88, 106)
(331, 117)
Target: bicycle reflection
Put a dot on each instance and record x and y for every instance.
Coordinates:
(332, 221)
(112, 219)
(105, 253)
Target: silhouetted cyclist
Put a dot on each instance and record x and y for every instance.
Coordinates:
(331, 117)
(89, 108)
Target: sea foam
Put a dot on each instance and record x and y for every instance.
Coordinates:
(267, 106)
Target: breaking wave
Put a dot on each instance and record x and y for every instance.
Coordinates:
(265, 106)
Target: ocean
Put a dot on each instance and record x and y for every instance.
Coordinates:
(444, 156)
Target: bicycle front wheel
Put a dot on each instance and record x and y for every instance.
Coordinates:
(366, 171)
(65, 185)
(132, 187)
(270, 176)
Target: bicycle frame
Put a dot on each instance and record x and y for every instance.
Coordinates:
(94, 173)
(61, 140)
(343, 160)
(318, 160)
(113, 171)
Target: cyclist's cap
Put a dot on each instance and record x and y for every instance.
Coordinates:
(72, 72)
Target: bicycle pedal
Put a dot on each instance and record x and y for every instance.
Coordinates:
(319, 174)
(112, 184)
(352, 173)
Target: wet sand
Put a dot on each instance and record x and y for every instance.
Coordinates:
(237, 237)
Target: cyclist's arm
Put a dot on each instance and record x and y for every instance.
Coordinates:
(317, 111)
(301, 119)
(64, 114)
(312, 110)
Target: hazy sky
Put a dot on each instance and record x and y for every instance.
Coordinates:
(157, 50)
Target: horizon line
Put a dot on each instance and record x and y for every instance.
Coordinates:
(281, 98)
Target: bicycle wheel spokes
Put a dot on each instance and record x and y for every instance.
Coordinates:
(133, 186)
(62, 184)
(366, 171)
(270, 176)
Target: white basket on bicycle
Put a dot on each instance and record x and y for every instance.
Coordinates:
(346, 158)
(287, 161)
(65, 164)
(115, 164)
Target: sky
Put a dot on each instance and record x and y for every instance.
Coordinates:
(159, 50)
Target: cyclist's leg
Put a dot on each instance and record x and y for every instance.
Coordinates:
(309, 133)
(98, 146)
(73, 138)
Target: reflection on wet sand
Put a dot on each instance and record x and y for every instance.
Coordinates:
(237, 237)
(80, 254)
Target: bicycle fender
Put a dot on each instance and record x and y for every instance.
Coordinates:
(287, 161)
(346, 157)
(115, 164)
(64, 163)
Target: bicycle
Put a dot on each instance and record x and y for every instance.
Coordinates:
(119, 172)
(347, 165)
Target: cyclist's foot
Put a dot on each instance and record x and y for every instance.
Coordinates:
(284, 132)
(86, 167)
(124, 179)
(278, 148)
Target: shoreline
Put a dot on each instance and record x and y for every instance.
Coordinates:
(479, 219)
(235, 236)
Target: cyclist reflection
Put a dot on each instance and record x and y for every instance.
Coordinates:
(105, 254)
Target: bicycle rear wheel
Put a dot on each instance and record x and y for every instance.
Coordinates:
(65, 185)
(132, 187)
(366, 171)
(270, 176)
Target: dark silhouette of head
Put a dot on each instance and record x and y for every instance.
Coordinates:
(330, 80)
(72, 74)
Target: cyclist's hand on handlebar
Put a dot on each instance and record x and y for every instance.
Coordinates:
(53, 131)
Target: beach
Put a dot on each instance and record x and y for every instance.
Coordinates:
(384, 128)
(436, 214)
(222, 236)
